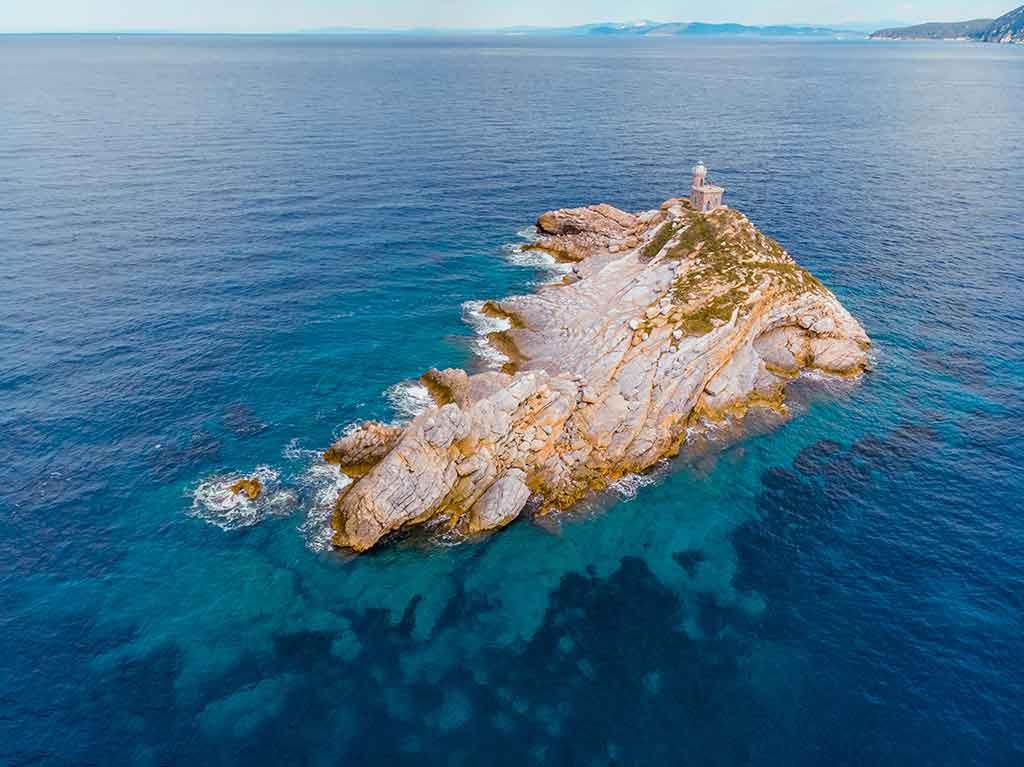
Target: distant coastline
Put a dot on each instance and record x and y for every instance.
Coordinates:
(643, 28)
(1008, 28)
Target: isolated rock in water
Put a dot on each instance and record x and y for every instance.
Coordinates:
(674, 319)
(249, 487)
(363, 447)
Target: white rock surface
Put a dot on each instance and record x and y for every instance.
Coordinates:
(500, 503)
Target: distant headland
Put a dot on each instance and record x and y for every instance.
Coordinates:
(1008, 28)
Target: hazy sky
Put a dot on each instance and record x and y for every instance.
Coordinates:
(288, 15)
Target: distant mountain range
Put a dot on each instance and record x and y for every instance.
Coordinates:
(644, 28)
(695, 28)
(1008, 28)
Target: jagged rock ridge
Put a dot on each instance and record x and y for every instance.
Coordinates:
(670, 318)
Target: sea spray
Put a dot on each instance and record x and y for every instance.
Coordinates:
(320, 484)
(214, 501)
(551, 269)
(408, 399)
(483, 324)
(629, 486)
(323, 482)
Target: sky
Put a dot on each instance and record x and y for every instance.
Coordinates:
(295, 15)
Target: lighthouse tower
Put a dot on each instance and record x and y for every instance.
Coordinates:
(700, 174)
(704, 197)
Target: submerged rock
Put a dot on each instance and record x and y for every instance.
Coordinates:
(676, 318)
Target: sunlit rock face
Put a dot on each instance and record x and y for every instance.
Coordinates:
(670, 318)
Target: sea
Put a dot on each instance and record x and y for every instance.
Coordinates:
(217, 253)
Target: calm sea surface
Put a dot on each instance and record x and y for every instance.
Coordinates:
(216, 253)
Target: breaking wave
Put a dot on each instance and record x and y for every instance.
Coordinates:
(323, 482)
(473, 314)
(483, 324)
(408, 399)
(536, 259)
(517, 254)
(629, 486)
(319, 483)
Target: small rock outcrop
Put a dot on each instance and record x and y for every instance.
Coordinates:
(445, 386)
(671, 319)
(250, 487)
(362, 448)
(574, 233)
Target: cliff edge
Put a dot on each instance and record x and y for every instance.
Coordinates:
(670, 318)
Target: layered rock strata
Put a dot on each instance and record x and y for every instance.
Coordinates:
(670, 318)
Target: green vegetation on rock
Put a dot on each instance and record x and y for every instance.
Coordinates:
(725, 261)
(661, 237)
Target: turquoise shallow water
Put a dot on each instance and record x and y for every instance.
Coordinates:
(216, 253)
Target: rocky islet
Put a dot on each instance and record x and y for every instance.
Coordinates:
(670, 319)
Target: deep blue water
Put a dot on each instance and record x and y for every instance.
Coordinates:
(216, 253)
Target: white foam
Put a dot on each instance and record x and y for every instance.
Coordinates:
(492, 357)
(538, 260)
(408, 399)
(811, 374)
(629, 486)
(214, 502)
(827, 381)
(323, 482)
(518, 254)
(482, 324)
(293, 452)
(320, 484)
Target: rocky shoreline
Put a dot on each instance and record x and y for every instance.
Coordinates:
(670, 318)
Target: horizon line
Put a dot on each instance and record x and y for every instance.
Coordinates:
(341, 29)
(328, 31)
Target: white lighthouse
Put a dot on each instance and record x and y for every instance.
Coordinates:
(704, 197)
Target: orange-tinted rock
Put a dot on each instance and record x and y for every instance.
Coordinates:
(451, 385)
(250, 487)
(362, 448)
